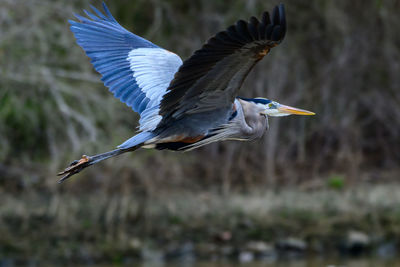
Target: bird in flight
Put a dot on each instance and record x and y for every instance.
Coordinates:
(182, 104)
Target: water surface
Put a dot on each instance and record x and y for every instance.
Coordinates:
(360, 262)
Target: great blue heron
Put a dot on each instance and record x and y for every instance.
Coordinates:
(182, 105)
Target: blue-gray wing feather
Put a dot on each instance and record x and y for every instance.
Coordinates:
(135, 70)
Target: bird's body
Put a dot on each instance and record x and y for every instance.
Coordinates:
(182, 105)
(239, 123)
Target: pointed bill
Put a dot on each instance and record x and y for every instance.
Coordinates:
(292, 110)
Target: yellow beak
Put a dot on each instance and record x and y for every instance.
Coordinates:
(292, 110)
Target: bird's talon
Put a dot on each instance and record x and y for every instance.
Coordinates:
(84, 159)
(75, 167)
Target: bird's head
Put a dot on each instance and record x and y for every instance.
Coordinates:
(274, 109)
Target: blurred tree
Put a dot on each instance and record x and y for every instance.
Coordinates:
(340, 59)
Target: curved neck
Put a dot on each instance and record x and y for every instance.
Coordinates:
(254, 118)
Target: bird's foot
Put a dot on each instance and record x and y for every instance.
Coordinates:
(75, 167)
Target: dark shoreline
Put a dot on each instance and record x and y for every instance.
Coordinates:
(180, 226)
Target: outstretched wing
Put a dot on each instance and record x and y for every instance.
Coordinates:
(211, 77)
(135, 70)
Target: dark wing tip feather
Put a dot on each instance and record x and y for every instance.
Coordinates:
(277, 29)
(275, 15)
(253, 28)
(276, 33)
(243, 30)
(270, 28)
(258, 35)
(282, 21)
(265, 18)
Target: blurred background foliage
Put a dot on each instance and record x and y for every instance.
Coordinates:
(340, 59)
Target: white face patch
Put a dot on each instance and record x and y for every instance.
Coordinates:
(271, 109)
